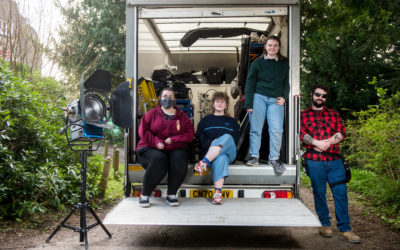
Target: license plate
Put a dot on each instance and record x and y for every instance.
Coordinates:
(209, 193)
(135, 168)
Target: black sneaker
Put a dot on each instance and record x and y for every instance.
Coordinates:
(278, 167)
(252, 161)
(172, 202)
(144, 202)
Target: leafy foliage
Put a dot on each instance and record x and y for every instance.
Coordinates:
(93, 38)
(37, 169)
(115, 136)
(373, 146)
(344, 45)
(374, 138)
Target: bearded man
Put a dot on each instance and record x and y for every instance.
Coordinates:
(322, 130)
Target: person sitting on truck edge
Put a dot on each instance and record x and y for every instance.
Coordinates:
(321, 131)
(164, 132)
(218, 134)
(267, 89)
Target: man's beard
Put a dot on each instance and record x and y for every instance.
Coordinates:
(318, 105)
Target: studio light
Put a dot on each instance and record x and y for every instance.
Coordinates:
(87, 116)
(85, 120)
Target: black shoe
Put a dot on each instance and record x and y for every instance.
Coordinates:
(278, 167)
(252, 161)
(172, 202)
(144, 202)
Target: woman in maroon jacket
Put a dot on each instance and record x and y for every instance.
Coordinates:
(164, 134)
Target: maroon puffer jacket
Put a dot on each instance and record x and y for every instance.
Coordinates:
(154, 128)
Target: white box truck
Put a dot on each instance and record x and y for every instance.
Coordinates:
(255, 195)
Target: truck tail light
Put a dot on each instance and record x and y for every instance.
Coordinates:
(137, 193)
(278, 194)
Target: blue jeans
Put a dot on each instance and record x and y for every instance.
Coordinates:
(266, 106)
(226, 155)
(330, 171)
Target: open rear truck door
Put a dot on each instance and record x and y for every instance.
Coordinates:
(257, 197)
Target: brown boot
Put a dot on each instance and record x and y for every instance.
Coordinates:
(325, 231)
(351, 237)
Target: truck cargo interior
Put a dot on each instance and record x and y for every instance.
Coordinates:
(187, 40)
(214, 42)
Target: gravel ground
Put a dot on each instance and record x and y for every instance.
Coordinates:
(373, 233)
(368, 226)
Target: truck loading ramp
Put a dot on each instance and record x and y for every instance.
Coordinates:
(200, 212)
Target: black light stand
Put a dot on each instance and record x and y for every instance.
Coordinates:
(84, 123)
(83, 205)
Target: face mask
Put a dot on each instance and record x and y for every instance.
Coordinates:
(167, 103)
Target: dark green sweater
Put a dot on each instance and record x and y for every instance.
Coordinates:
(267, 77)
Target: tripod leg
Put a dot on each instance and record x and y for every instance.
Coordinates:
(61, 224)
(99, 221)
(84, 229)
(81, 224)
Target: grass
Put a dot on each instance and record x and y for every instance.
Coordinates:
(380, 193)
(304, 179)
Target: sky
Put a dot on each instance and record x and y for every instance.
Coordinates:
(42, 15)
(46, 19)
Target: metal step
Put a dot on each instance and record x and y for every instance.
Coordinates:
(201, 212)
(239, 174)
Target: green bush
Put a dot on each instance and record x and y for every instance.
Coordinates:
(114, 136)
(37, 169)
(373, 140)
(372, 148)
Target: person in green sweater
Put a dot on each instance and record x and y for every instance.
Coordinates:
(267, 90)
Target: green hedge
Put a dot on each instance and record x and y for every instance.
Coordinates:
(372, 148)
(374, 138)
(37, 169)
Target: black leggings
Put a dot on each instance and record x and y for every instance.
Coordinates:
(158, 163)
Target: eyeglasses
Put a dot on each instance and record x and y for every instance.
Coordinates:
(320, 95)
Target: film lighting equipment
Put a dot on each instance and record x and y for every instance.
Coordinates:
(85, 120)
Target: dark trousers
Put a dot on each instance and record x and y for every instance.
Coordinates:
(158, 163)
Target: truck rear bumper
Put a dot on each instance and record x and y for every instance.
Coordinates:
(239, 174)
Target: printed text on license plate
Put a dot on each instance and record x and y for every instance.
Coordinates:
(208, 193)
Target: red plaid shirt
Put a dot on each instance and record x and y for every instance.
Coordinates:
(321, 125)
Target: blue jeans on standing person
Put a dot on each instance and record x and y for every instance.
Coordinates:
(226, 155)
(320, 173)
(266, 106)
